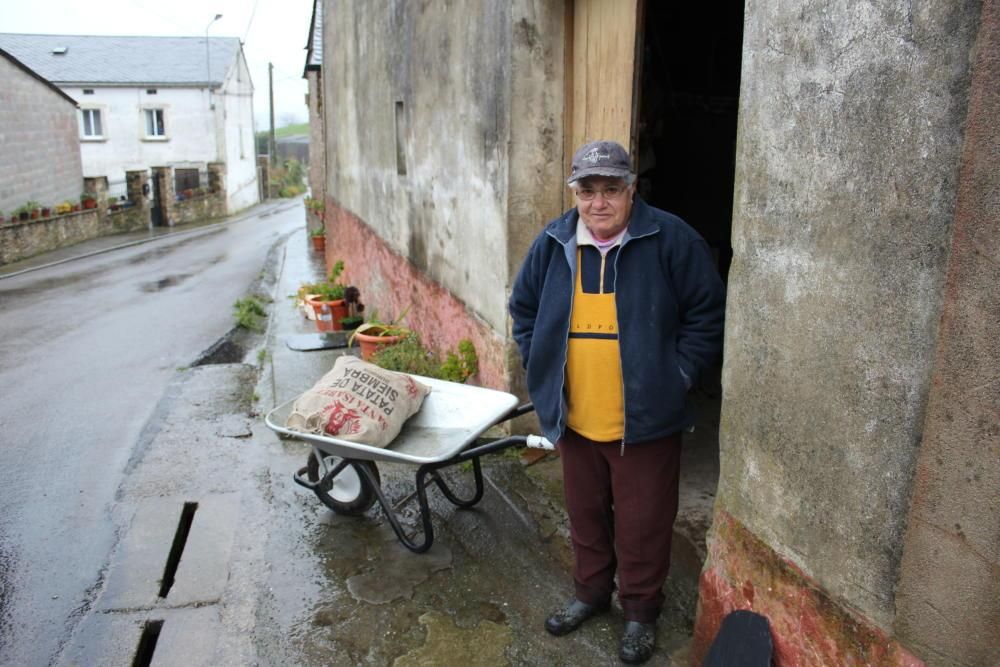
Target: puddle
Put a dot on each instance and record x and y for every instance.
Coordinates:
(165, 282)
(447, 644)
(397, 572)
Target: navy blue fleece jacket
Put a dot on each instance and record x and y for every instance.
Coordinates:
(670, 304)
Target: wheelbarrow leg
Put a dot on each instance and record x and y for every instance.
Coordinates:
(450, 495)
(390, 514)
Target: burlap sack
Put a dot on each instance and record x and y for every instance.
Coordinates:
(359, 402)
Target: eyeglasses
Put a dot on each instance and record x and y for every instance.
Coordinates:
(609, 193)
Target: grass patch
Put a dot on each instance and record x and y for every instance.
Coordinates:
(249, 313)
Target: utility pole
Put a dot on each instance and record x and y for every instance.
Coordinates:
(272, 149)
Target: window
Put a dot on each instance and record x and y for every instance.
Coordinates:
(151, 91)
(185, 179)
(92, 127)
(154, 123)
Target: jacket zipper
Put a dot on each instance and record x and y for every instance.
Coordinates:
(569, 324)
(621, 361)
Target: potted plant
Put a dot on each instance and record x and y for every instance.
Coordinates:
(34, 209)
(376, 334)
(113, 203)
(46, 211)
(327, 300)
(21, 213)
(318, 238)
(88, 200)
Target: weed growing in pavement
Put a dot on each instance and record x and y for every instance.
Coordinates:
(262, 355)
(249, 312)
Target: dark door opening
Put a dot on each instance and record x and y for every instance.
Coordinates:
(689, 98)
(686, 123)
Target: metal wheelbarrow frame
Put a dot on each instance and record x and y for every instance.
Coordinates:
(344, 475)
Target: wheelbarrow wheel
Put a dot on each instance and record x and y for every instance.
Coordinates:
(347, 493)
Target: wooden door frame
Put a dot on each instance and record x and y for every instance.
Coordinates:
(569, 30)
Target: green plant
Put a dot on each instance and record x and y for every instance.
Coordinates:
(351, 321)
(248, 312)
(376, 327)
(328, 292)
(262, 355)
(462, 364)
(410, 356)
(87, 196)
(318, 231)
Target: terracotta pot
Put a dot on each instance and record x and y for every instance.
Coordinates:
(90, 203)
(46, 212)
(319, 243)
(371, 344)
(338, 309)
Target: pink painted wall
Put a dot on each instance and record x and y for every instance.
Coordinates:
(390, 284)
(808, 627)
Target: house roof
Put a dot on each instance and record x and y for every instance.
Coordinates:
(314, 47)
(17, 63)
(90, 59)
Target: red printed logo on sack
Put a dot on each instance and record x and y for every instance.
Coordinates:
(342, 420)
(411, 388)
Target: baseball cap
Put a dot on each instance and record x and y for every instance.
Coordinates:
(600, 158)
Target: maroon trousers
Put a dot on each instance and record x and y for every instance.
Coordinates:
(621, 512)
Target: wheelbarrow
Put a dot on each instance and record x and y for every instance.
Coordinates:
(344, 475)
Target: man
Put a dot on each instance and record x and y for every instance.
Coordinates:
(617, 310)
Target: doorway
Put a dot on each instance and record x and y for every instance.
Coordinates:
(688, 99)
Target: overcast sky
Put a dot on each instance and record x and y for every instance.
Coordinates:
(271, 30)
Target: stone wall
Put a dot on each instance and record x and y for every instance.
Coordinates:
(199, 207)
(851, 130)
(20, 240)
(40, 139)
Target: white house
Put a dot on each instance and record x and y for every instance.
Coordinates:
(154, 101)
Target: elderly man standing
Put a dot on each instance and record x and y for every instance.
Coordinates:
(617, 310)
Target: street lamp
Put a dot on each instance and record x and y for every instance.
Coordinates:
(208, 61)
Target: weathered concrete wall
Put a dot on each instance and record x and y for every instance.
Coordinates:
(481, 90)
(851, 128)
(948, 604)
(317, 135)
(449, 65)
(41, 148)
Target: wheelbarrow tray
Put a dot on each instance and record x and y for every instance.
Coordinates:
(452, 416)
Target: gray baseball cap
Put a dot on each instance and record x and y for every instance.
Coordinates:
(600, 158)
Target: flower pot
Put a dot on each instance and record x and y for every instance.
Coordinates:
(319, 243)
(330, 320)
(90, 203)
(22, 216)
(371, 344)
(46, 212)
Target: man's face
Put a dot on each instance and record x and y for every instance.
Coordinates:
(604, 203)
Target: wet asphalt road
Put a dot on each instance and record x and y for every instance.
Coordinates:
(86, 351)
